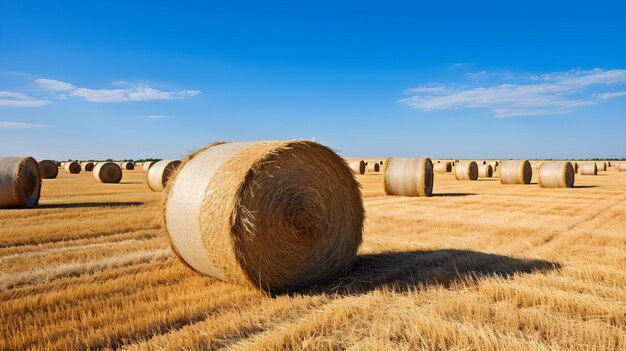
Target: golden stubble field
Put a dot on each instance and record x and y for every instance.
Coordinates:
(479, 265)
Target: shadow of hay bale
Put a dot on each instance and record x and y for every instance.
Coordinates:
(453, 194)
(92, 204)
(410, 270)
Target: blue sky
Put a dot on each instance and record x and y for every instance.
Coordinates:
(468, 80)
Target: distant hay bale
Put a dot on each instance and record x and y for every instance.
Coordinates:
(556, 175)
(20, 182)
(72, 167)
(48, 169)
(589, 168)
(145, 167)
(608, 163)
(373, 167)
(443, 167)
(107, 172)
(409, 177)
(357, 167)
(87, 166)
(601, 166)
(515, 172)
(485, 171)
(622, 166)
(575, 165)
(127, 166)
(160, 172)
(466, 170)
(271, 214)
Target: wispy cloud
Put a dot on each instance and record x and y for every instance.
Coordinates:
(21, 125)
(157, 117)
(546, 94)
(126, 92)
(15, 99)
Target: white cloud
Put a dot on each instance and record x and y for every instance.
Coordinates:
(15, 99)
(157, 116)
(126, 92)
(20, 125)
(606, 96)
(547, 94)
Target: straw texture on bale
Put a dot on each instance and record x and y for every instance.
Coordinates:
(128, 166)
(357, 167)
(48, 169)
(515, 172)
(485, 171)
(466, 170)
(72, 167)
(107, 172)
(589, 168)
(145, 167)
(20, 182)
(87, 166)
(443, 167)
(373, 167)
(160, 172)
(621, 166)
(601, 166)
(556, 175)
(409, 177)
(277, 215)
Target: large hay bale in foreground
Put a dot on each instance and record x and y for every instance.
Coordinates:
(87, 166)
(145, 167)
(556, 175)
(275, 215)
(485, 171)
(72, 167)
(373, 167)
(20, 182)
(409, 177)
(601, 166)
(515, 172)
(466, 170)
(107, 172)
(357, 166)
(622, 166)
(589, 168)
(48, 169)
(443, 167)
(160, 172)
(127, 166)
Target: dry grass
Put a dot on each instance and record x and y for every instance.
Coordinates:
(479, 265)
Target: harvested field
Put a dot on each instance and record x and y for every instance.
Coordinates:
(479, 265)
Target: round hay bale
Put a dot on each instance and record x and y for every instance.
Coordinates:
(589, 168)
(72, 167)
(20, 182)
(601, 166)
(443, 167)
(485, 171)
(466, 170)
(409, 177)
(87, 166)
(271, 214)
(575, 165)
(608, 163)
(515, 172)
(357, 167)
(128, 166)
(621, 166)
(373, 167)
(145, 167)
(556, 175)
(107, 172)
(48, 169)
(160, 172)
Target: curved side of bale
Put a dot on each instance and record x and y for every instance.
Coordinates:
(621, 166)
(160, 172)
(589, 168)
(20, 182)
(466, 170)
(443, 167)
(556, 175)
(357, 166)
(128, 166)
(409, 177)
(72, 167)
(87, 166)
(107, 172)
(601, 166)
(485, 171)
(373, 167)
(515, 172)
(48, 169)
(145, 167)
(276, 215)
